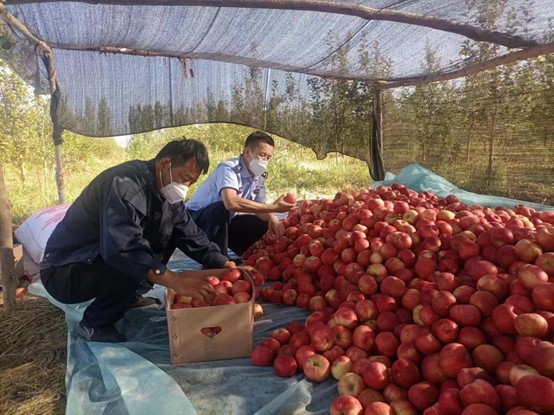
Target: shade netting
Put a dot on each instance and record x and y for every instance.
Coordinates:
(303, 74)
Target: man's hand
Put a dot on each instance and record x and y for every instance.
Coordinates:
(229, 264)
(193, 287)
(276, 227)
(281, 206)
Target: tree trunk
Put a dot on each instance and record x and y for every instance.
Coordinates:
(45, 161)
(7, 267)
(22, 172)
(491, 153)
(469, 131)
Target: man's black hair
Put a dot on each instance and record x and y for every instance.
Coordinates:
(257, 137)
(179, 151)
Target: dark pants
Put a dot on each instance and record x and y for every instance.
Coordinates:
(75, 283)
(238, 233)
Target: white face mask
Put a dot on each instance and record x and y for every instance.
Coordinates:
(173, 192)
(257, 167)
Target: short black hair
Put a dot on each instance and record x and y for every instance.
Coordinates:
(257, 137)
(179, 151)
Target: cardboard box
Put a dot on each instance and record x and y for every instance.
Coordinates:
(234, 323)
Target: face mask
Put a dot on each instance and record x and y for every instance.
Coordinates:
(257, 167)
(173, 192)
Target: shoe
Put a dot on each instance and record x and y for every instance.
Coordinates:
(106, 333)
(141, 301)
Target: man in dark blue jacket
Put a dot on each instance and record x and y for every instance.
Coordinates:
(120, 232)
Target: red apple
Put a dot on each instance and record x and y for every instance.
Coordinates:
(232, 275)
(471, 337)
(542, 358)
(282, 335)
(465, 315)
(543, 296)
(316, 368)
(423, 395)
(346, 317)
(528, 250)
(531, 324)
(404, 373)
(341, 366)
(531, 275)
(445, 330)
(376, 375)
(537, 392)
(285, 365)
(480, 391)
(302, 353)
(545, 238)
(487, 357)
(321, 336)
(262, 356)
(379, 408)
(346, 405)
(546, 263)
(222, 299)
(350, 384)
(453, 358)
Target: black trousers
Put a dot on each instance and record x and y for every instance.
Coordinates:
(238, 233)
(78, 282)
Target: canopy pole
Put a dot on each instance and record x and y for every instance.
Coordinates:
(377, 166)
(58, 141)
(7, 265)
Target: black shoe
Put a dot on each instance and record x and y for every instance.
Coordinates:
(100, 334)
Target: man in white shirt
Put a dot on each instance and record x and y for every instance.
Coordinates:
(230, 205)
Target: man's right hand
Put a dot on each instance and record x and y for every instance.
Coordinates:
(193, 287)
(281, 206)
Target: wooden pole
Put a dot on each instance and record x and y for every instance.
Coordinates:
(378, 168)
(350, 9)
(7, 266)
(59, 167)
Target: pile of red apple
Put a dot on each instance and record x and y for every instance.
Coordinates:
(419, 304)
(231, 289)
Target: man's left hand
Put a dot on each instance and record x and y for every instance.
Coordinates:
(276, 227)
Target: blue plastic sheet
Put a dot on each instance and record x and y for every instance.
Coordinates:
(136, 377)
(420, 179)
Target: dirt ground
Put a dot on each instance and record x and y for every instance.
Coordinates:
(33, 344)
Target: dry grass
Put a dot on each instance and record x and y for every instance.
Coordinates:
(33, 341)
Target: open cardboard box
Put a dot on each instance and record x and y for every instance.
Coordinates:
(210, 333)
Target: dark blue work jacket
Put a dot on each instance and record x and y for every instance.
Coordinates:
(122, 217)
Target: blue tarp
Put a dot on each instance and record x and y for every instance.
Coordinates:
(420, 179)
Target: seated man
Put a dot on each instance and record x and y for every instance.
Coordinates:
(119, 234)
(236, 187)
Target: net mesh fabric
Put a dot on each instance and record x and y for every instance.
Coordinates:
(306, 76)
